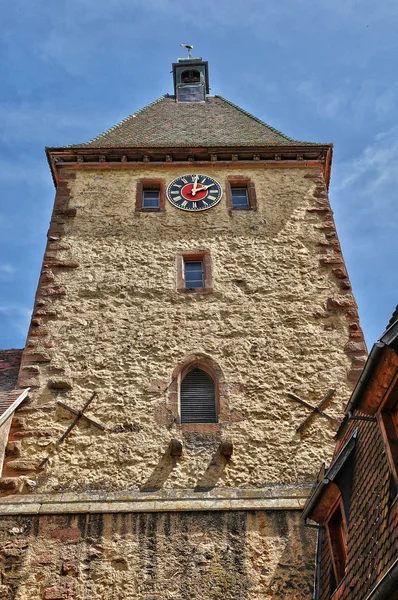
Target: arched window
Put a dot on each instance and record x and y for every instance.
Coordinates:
(198, 397)
(190, 77)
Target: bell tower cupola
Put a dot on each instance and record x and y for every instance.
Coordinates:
(191, 78)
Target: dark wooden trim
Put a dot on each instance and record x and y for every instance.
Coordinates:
(89, 157)
(202, 255)
(389, 432)
(382, 383)
(326, 504)
(337, 539)
(156, 183)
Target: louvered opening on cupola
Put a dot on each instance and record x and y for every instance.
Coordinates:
(198, 398)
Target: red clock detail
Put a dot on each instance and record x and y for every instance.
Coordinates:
(194, 192)
(186, 192)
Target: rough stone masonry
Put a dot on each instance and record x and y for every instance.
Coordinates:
(108, 318)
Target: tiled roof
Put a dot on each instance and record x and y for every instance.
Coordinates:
(394, 317)
(9, 367)
(167, 123)
(10, 397)
(9, 401)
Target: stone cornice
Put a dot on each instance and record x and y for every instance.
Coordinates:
(130, 158)
(288, 497)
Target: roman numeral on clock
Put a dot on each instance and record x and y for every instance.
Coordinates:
(194, 192)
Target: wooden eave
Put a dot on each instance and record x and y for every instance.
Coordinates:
(313, 155)
(327, 502)
(382, 388)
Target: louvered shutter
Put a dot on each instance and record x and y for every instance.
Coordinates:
(198, 398)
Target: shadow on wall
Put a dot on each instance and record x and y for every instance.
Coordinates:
(160, 474)
(293, 575)
(168, 462)
(213, 472)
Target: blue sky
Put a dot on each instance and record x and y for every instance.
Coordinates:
(317, 70)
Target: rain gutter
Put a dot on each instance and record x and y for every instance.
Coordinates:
(386, 586)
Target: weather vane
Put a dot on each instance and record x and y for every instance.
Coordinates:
(189, 48)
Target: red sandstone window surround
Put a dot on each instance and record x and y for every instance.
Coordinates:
(194, 272)
(198, 396)
(235, 189)
(146, 195)
(220, 414)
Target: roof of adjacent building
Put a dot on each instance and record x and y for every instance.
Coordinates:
(10, 396)
(167, 123)
(10, 361)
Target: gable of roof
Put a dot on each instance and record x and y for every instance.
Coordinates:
(167, 123)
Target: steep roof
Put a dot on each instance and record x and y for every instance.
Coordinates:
(10, 397)
(167, 123)
(10, 361)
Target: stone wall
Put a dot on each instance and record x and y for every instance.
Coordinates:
(228, 555)
(108, 317)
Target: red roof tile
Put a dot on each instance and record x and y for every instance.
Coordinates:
(10, 361)
(215, 122)
(10, 397)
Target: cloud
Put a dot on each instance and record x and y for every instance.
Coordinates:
(374, 166)
(38, 122)
(14, 318)
(350, 102)
(25, 170)
(365, 187)
(6, 270)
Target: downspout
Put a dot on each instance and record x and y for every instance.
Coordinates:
(319, 543)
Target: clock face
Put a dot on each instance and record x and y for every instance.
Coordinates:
(194, 192)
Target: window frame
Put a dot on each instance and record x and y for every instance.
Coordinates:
(336, 534)
(211, 375)
(389, 429)
(193, 256)
(200, 271)
(237, 181)
(150, 184)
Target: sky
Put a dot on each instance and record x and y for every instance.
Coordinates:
(317, 70)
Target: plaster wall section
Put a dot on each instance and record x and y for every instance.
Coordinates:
(228, 555)
(108, 318)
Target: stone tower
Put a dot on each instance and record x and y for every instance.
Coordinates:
(194, 290)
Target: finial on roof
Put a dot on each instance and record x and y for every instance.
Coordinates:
(189, 48)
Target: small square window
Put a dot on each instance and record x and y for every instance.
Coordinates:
(194, 274)
(150, 195)
(150, 198)
(240, 198)
(241, 193)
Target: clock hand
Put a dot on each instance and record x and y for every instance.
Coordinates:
(195, 185)
(204, 187)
